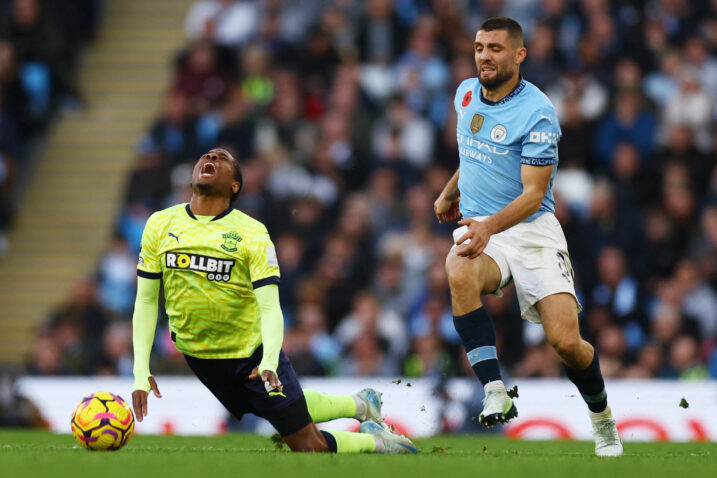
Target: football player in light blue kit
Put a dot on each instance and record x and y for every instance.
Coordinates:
(507, 135)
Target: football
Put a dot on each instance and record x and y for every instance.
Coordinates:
(102, 421)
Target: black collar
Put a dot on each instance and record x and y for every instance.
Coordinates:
(221, 215)
(516, 91)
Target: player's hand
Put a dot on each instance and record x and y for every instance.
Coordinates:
(139, 399)
(478, 233)
(446, 210)
(271, 381)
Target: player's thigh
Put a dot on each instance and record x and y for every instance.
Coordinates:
(286, 410)
(480, 275)
(308, 438)
(220, 377)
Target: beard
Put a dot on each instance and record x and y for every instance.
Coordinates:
(501, 76)
(205, 189)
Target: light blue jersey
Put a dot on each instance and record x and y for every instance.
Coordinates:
(496, 138)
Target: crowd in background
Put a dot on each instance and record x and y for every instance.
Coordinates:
(341, 115)
(40, 46)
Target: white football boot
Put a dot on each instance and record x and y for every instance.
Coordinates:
(498, 407)
(387, 441)
(607, 440)
(372, 407)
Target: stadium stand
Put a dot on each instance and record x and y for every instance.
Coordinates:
(65, 216)
(341, 115)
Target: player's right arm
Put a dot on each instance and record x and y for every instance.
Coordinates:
(144, 323)
(144, 320)
(446, 206)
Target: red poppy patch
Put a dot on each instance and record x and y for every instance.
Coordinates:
(467, 98)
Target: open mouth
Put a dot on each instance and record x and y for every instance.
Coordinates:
(486, 69)
(207, 170)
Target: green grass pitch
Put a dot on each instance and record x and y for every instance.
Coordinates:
(38, 453)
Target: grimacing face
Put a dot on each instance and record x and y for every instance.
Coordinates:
(214, 174)
(497, 57)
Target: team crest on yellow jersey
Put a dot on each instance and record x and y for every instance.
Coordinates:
(230, 241)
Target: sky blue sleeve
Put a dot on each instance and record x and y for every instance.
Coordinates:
(540, 144)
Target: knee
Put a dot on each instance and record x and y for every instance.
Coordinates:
(567, 346)
(459, 275)
(307, 446)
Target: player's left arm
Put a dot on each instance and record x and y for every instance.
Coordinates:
(272, 334)
(264, 273)
(539, 156)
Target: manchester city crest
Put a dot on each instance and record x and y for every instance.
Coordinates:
(498, 133)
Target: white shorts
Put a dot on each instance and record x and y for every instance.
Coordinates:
(533, 255)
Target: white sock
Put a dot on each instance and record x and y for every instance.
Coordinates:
(361, 408)
(494, 386)
(607, 413)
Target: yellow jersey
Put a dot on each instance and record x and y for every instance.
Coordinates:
(210, 268)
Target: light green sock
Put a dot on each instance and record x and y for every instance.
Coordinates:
(348, 442)
(324, 407)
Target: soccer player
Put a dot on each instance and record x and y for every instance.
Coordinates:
(221, 276)
(507, 137)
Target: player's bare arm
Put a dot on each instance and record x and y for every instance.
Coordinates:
(535, 184)
(446, 206)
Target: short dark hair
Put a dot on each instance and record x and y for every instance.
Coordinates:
(503, 23)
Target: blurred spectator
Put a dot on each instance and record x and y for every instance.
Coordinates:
(381, 35)
(402, 140)
(225, 22)
(131, 224)
(118, 277)
(692, 106)
(590, 97)
(684, 360)
(367, 357)
(649, 364)
(422, 74)
(200, 78)
(541, 65)
(367, 318)
(661, 85)
(539, 361)
(610, 221)
(428, 358)
(47, 357)
(704, 63)
(698, 298)
(149, 182)
(42, 53)
(628, 122)
(307, 343)
(616, 288)
(174, 133)
(78, 328)
(117, 356)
